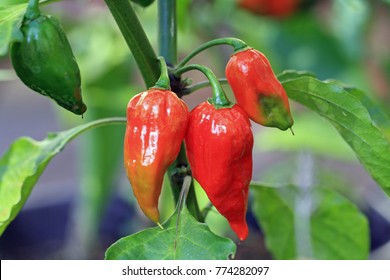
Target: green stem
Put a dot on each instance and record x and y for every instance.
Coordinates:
(206, 210)
(187, 182)
(167, 30)
(237, 44)
(175, 178)
(163, 82)
(200, 85)
(82, 128)
(219, 97)
(168, 49)
(192, 203)
(32, 11)
(136, 39)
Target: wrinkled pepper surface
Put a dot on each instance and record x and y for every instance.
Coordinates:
(44, 61)
(219, 146)
(257, 90)
(156, 125)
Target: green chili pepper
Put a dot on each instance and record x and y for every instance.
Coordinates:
(44, 60)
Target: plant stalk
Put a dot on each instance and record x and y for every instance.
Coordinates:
(200, 85)
(167, 30)
(168, 49)
(32, 11)
(163, 81)
(237, 44)
(219, 99)
(136, 39)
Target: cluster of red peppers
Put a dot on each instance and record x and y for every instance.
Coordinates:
(217, 133)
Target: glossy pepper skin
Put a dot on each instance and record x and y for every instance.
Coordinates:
(44, 61)
(274, 8)
(219, 146)
(156, 125)
(257, 90)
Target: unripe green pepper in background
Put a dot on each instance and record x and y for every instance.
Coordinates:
(44, 60)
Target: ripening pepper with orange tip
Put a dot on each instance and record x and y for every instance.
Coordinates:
(257, 90)
(156, 125)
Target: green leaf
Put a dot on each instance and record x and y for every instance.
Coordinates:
(287, 75)
(24, 162)
(377, 114)
(311, 133)
(186, 239)
(336, 227)
(10, 17)
(351, 119)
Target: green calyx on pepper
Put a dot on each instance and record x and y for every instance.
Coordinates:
(44, 61)
(257, 90)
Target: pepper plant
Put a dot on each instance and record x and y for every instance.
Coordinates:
(210, 145)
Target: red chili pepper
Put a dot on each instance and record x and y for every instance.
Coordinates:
(219, 146)
(275, 8)
(156, 125)
(257, 90)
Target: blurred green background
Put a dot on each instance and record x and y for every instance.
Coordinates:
(83, 202)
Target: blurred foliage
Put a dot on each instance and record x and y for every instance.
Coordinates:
(333, 39)
(13, 2)
(352, 121)
(23, 164)
(107, 72)
(328, 226)
(310, 132)
(349, 29)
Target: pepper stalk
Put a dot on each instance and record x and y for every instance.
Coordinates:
(219, 99)
(32, 11)
(237, 44)
(163, 81)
